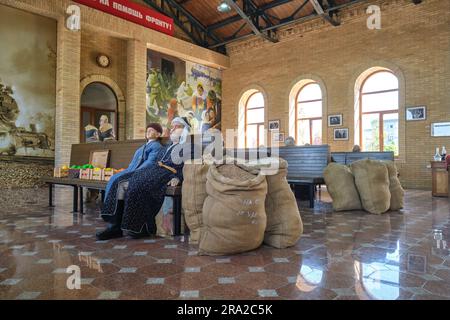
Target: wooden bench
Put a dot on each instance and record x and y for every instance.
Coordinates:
(305, 164)
(348, 157)
(121, 153)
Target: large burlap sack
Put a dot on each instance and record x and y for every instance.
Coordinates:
(194, 195)
(395, 187)
(372, 182)
(234, 217)
(284, 224)
(341, 187)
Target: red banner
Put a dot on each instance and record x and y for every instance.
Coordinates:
(133, 12)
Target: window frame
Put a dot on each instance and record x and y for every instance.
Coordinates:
(258, 124)
(380, 113)
(310, 120)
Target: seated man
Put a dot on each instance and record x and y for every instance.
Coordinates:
(145, 193)
(143, 157)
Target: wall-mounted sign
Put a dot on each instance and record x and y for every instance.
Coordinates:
(440, 129)
(133, 12)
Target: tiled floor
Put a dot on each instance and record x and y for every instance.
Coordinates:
(340, 256)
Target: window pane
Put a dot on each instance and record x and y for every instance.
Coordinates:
(380, 101)
(380, 81)
(317, 132)
(310, 110)
(262, 136)
(303, 132)
(390, 132)
(255, 101)
(255, 116)
(371, 132)
(252, 136)
(310, 92)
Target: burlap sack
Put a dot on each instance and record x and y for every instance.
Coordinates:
(395, 187)
(194, 195)
(234, 218)
(341, 187)
(284, 224)
(372, 182)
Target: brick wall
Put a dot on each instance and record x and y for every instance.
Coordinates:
(414, 42)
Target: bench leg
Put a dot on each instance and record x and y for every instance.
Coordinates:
(103, 193)
(81, 201)
(177, 216)
(311, 195)
(50, 195)
(75, 199)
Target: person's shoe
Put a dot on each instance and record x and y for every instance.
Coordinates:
(109, 233)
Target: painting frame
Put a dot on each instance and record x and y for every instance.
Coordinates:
(274, 125)
(340, 134)
(99, 158)
(418, 113)
(440, 129)
(332, 118)
(278, 136)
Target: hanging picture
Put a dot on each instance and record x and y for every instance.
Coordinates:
(341, 134)
(335, 120)
(416, 113)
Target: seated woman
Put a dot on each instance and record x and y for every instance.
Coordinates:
(145, 193)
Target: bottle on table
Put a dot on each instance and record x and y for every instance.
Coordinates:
(443, 153)
(437, 156)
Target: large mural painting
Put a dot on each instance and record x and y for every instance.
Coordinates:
(27, 84)
(186, 89)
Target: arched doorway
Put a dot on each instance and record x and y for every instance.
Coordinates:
(98, 100)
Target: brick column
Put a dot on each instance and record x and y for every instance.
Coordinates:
(136, 89)
(67, 117)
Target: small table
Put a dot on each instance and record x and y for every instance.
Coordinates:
(439, 179)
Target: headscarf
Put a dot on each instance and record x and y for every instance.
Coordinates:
(186, 130)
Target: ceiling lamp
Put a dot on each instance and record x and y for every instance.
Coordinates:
(223, 7)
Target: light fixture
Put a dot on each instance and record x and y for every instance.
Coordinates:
(223, 7)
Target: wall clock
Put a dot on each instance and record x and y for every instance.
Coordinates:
(103, 60)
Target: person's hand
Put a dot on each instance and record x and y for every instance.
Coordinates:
(174, 182)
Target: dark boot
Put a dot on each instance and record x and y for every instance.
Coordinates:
(114, 229)
(147, 231)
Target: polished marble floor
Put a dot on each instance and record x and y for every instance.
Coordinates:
(350, 255)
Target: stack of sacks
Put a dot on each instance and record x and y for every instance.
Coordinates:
(284, 223)
(341, 186)
(234, 217)
(372, 182)
(395, 187)
(194, 195)
(369, 184)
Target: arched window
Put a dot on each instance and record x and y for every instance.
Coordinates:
(308, 115)
(379, 99)
(254, 121)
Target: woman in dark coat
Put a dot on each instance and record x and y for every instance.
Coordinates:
(147, 187)
(144, 157)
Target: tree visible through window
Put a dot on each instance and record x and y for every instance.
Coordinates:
(379, 112)
(254, 121)
(309, 115)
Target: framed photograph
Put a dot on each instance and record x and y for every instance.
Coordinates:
(99, 158)
(416, 113)
(440, 129)
(335, 120)
(278, 136)
(274, 125)
(417, 263)
(340, 134)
